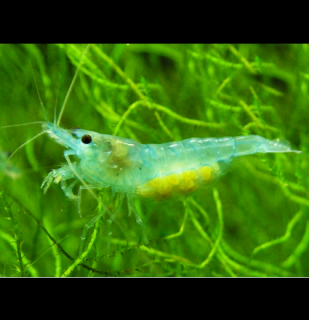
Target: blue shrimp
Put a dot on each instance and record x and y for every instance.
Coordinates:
(156, 171)
(150, 170)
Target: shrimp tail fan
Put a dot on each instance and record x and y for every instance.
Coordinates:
(277, 145)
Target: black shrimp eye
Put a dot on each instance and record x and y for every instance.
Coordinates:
(86, 139)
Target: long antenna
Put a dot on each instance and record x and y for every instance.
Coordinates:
(22, 124)
(55, 110)
(26, 143)
(37, 90)
(71, 85)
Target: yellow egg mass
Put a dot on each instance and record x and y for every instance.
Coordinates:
(183, 183)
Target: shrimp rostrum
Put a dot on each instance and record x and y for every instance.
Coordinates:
(156, 171)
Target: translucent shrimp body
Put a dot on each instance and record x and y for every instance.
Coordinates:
(156, 171)
(150, 170)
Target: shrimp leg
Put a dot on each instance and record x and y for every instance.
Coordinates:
(88, 226)
(68, 190)
(111, 219)
(96, 218)
(79, 196)
(60, 175)
(138, 219)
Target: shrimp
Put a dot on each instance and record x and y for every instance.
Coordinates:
(150, 170)
(157, 171)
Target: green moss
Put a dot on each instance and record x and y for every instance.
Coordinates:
(255, 221)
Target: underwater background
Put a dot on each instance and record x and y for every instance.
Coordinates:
(253, 221)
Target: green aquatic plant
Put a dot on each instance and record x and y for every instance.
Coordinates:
(252, 222)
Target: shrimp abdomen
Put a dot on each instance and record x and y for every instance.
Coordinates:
(184, 166)
(221, 149)
(192, 153)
